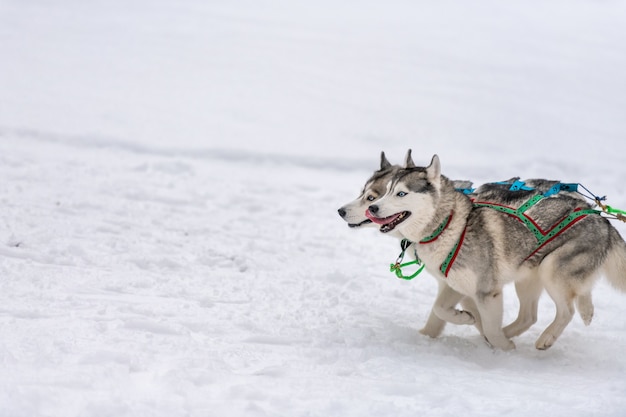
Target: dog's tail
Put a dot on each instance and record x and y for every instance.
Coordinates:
(615, 263)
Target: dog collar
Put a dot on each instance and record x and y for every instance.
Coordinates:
(443, 226)
(447, 263)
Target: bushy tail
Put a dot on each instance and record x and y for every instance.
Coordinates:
(615, 263)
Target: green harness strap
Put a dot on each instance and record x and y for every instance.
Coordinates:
(397, 266)
(405, 244)
(542, 236)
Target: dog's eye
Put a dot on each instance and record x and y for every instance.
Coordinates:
(401, 194)
(371, 198)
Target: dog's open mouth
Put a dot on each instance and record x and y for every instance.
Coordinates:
(366, 221)
(388, 223)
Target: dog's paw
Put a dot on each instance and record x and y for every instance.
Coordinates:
(434, 326)
(587, 317)
(431, 331)
(502, 344)
(509, 345)
(456, 316)
(510, 330)
(545, 341)
(452, 315)
(515, 329)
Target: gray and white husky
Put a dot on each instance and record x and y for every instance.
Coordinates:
(444, 309)
(555, 242)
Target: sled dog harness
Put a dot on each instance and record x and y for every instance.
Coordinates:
(405, 244)
(543, 236)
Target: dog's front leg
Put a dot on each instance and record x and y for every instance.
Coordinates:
(469, 305)
(444, 311)
(445, 307)
(435, 325)
(490, 309)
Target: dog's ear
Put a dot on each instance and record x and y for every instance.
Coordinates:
(434, 169)
(409, 160)
(384, 163)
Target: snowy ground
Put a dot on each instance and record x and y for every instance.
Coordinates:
(169, 243)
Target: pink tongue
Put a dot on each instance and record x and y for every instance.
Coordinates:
(377, 220)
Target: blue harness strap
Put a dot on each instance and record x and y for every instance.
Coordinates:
(520, 185)
(557, 188)
(465, 191)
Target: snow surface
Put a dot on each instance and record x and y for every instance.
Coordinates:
(170, 177)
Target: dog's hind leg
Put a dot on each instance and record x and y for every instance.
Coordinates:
(584, 305)
(555, 275)
(528, 292)
(564, 301)
(568, 276)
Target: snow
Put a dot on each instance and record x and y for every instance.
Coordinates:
(171, 173)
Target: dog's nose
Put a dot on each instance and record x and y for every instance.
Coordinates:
(373, 209)
(341, 212)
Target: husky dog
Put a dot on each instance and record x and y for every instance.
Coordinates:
(554, 241)
(444, 309)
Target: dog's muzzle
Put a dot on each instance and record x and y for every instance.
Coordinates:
(387, 223)
(342, 212)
